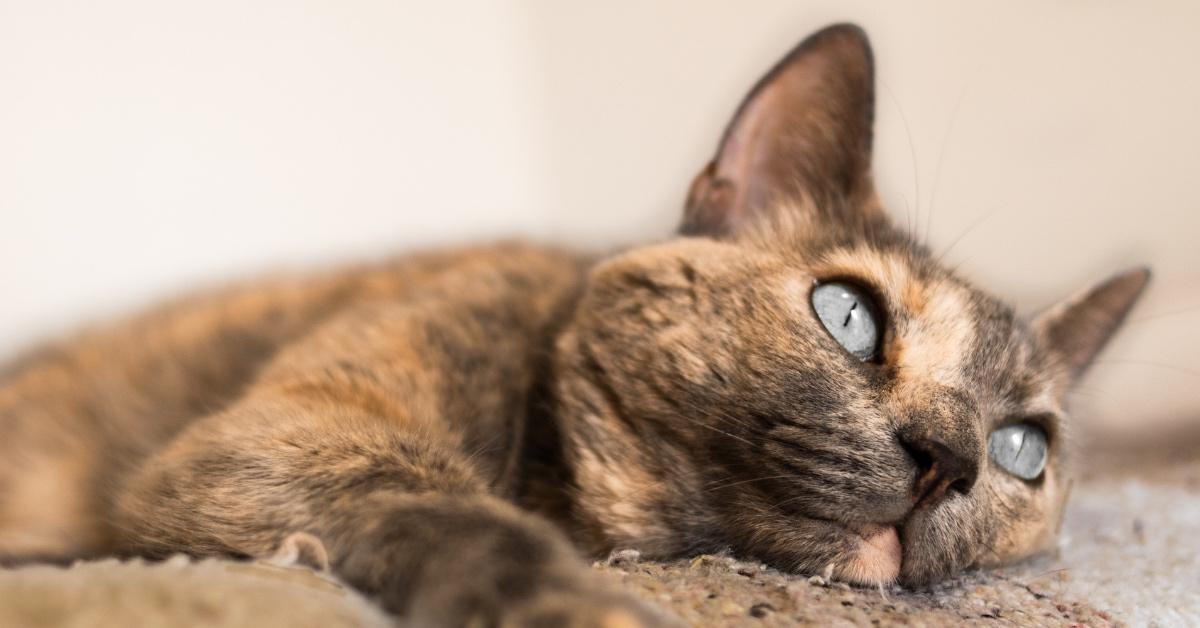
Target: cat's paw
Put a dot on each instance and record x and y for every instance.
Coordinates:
(585, 603)
(483, 563)
(561, 609)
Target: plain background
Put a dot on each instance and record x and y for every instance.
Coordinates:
(147, 146)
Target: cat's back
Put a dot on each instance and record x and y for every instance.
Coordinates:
(75, 411)
(244, 322)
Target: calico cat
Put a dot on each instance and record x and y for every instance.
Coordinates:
(792, 378)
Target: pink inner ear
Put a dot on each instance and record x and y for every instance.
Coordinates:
(763, 154)
(804, 129)
(742, 154)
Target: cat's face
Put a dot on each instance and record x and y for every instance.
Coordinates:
(800, 381)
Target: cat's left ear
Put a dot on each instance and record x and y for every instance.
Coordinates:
(803, 132)
(1076, 329)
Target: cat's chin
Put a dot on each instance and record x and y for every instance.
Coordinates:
(875, 561)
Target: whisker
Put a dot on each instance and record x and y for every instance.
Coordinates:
(779, 504)
(974, 225)
(912, 151)
(716, 413)
(908, 213)
(720, 416)
(720, 431)
(482, 449)
(762, 479)
(1152, 317)
(1161, 365)
(955, 268)
(1089, 391)
(937, 173)
(1090, 394)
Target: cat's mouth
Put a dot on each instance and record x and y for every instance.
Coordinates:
(876, 558)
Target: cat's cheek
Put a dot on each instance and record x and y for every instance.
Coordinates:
(1037, 513)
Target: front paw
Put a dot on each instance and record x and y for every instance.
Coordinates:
(527, 598)
(482, 563)
(584, 609)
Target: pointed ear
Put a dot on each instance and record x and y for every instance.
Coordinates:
(804, 131)
(1075, 330)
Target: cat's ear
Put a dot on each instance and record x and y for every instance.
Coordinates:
(1076, 329)
(804, 131)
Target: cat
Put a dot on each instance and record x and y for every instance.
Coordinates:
(791, 378)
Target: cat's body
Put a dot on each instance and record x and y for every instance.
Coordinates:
(82, 415)
(686, 396)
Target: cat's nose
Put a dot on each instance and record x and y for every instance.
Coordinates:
(941, 467)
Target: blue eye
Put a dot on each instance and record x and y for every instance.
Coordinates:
(849, 315)
(1019, 449)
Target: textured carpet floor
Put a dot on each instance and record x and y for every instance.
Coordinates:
(1129, 556)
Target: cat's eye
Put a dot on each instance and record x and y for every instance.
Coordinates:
(1019, 449)
(848, 313)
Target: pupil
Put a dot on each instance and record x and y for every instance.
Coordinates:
(850, 314)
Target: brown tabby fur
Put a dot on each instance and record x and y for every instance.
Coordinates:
(677, 397)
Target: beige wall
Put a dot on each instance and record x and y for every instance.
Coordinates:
(146, 146)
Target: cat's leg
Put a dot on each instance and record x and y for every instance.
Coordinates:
(389, 434)
(402, 513)
(75, 413)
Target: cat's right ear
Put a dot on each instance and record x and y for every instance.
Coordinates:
(804, 131)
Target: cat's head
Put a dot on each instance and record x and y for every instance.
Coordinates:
(797, 379)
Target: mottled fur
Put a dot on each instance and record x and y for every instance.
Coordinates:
(677, 397)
